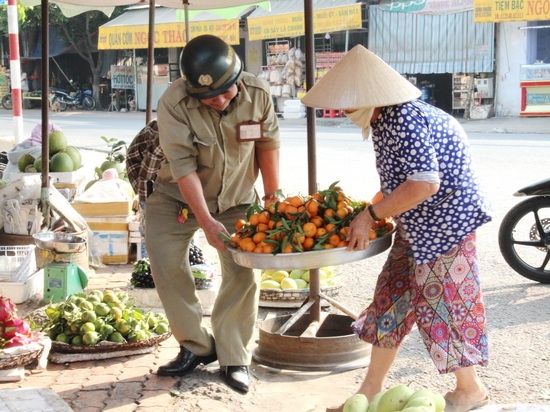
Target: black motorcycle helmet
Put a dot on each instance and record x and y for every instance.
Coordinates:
(209, 66)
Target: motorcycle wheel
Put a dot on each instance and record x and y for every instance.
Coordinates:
(524, 238)
(6, 102)
(88, 103)
(62, 104)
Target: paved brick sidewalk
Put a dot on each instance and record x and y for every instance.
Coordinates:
(121, 384)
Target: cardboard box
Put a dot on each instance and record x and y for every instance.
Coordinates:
(111, 245)
(107, 209)
(106, 223)
(20, 292)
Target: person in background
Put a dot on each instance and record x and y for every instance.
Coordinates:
(143, 158)
(431, 275)
(219, 132)
(32, 146)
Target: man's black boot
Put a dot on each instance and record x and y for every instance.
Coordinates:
(184, 363)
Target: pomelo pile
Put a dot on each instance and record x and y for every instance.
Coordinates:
(63, 158)
(397, 398)
(296, 278)
(302, 223)
(109, 315)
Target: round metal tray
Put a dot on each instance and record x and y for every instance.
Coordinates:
(60, 242)
(311, 259)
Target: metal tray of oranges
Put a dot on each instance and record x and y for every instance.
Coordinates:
(313, 259)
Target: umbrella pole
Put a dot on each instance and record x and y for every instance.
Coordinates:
(45, 188)
(314, 287)
(150, 61)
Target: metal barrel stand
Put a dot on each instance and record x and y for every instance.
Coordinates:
(311, 339)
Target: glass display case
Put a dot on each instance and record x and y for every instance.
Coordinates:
(535, 89)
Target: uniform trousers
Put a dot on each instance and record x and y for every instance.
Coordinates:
(236, 307)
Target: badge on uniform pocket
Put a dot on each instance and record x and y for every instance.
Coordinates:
(250, 132)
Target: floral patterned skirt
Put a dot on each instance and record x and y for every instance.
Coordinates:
(443, 298)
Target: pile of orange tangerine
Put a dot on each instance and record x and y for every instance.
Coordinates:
(302, 223)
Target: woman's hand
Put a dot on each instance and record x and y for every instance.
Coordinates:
(359, 231)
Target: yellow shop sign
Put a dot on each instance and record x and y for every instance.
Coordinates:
(166, 35)
(292, 24)
(510, 10)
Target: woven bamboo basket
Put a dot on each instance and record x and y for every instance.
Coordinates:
(105, 346)
(8, 361)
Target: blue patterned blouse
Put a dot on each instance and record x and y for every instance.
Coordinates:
(416, 138)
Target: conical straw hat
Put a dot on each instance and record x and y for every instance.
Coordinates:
(360, 79)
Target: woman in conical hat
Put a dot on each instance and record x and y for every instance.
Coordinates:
(429, 188)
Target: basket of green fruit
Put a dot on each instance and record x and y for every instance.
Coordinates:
(102, 321)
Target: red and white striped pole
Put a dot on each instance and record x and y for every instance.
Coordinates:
(15, 71)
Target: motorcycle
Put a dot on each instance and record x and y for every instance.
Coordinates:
(524, 234)
(79, 99)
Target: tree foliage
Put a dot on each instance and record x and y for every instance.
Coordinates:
(79, 31)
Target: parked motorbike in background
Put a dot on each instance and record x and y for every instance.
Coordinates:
(524, 234)
(78, 99)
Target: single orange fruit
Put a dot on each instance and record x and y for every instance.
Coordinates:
(262, 227)
(342, 212)
(330, 227)
(308, 243)
(321, 231)
(372, 234)
(295, 201)
(329, 212)
(254, 219)
(248, 246)
(281, 208)
(312, 207)
(239, 224)
(334, 239)
(317, 221)
(309, 229)
(259, 237)
(264, 216)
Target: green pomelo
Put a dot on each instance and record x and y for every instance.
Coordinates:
(305, 276)
(25, 160)
(279, 275)
(270, 284)
(61, 162)
(373, 405)
(111, 164)
(437, 398)
(395, 398)
(57, 142)
(288, 283)
(417, 409)
(301, 283)
(356, 403)
(421, 401)
(296, 273)
(38, 164)
(75, 155)
(30, 169)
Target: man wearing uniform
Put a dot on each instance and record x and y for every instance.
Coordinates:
(219, 131)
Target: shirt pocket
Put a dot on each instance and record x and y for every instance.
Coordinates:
(206, 150)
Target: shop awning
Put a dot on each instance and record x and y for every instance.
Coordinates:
(129, 30)
(418, 43)
(286, 18)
